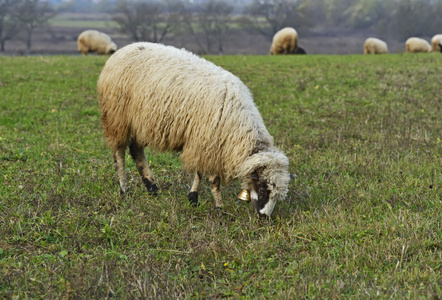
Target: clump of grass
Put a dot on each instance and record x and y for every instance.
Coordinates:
(361, 219)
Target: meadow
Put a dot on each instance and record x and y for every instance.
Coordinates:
(361, 220)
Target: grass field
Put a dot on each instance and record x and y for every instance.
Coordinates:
(82, 21)
(361, 220)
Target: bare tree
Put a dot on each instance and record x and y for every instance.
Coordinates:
(213, 19)
(31, 14)
(368, 15)
(269, 16)
(400, 18)
(416, 17)
(147, 21)
(8, 25)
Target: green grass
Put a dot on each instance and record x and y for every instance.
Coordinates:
(361, 220)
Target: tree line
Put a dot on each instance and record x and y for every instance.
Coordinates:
(210, 22)
(22, 17)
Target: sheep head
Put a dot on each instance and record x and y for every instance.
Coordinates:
(267, 180)
(111, 48)
(260, 195)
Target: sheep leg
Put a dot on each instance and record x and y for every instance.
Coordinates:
(215, 182)
(137, 153)
(118, 156)
(193, 195)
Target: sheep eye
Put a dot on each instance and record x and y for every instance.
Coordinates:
(262, 191)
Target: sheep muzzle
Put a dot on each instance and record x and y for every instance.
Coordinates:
(261, 200)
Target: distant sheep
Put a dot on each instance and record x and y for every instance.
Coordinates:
(436, 43)
(375, 46)
(95, 41)
(285, 41)
(172, 100)
(415, 45)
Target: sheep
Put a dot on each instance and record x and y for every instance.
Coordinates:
(436, 43)
(375, 46)
(285, 41)
(172, 100)
(95, 41)
(415, 45)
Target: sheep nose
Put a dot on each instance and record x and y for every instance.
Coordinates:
(264, 216)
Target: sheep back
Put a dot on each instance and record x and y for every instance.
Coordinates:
(95, 41)
(415, 45)
(436, 43)
(285, 41)
(375, 46)
(172, 100)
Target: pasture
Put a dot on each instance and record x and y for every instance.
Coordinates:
(361, 220)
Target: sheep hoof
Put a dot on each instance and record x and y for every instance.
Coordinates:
(151, 188)
(193, 198)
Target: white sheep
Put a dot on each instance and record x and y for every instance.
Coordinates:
(436, 43)
(415, 45)
(95, 41)
(172, 100)
(375, 46)
(285, 41)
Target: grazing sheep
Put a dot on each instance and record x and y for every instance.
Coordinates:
(285, 41)
(172, 100)
(375, 46)
(436, 43)
(95, 41)
(415, 45)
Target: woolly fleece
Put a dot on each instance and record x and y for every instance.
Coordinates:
(172, 100)
(375, 46)
(285, 41)
(415, 45)
(435, 42)
(95, 41)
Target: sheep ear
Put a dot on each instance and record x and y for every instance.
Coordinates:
(254, 176)
(293, 176)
